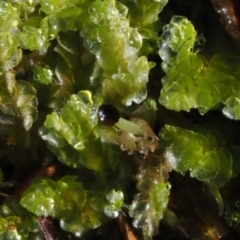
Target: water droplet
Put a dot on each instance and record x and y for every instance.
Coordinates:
(229, 112)
(166, 53)
(78, 234)
(108, 210)
(135, 39)
(172, 159)
(27, 122)
(140, 206)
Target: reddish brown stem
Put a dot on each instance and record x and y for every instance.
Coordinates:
(48, 228)
(229, 15)
(46, 171)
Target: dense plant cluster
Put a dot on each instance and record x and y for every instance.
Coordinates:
(117, 118)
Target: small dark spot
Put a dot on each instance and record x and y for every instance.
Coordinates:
(108, 115)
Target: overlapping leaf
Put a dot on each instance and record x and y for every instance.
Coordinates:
(18, 98)
(74, 136)
(143, 15)
(201, 153)
(149, 205)
(16, 222)
(115, 45)
(77, 138)
(193, 81)
(77, 209)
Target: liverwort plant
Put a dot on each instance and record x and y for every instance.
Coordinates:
(87, 86)
(122, 67)
(183, 147)
(192, 80)
(85, 209)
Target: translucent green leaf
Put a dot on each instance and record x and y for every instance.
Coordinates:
(191, 80)
(177, 39)
(75, 136)
(115, 45)
(147, 208)
(8, 46)
(26, 103)
(15, 221)
(11, 227)
(77, 209)
(115, 203)
(76, 126)
(18, 98)
(49, 6)
(70, 191)
(42, 75)
(144, 16)
(232, 108)
(41, 202)
(65, 15)
(25, 7)
(62, 86)
(206, 160)
(9, 18)
(31, 38)
(9, 21)
(144, 12)
(4, 225)
(12, 61)
(90, 216)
